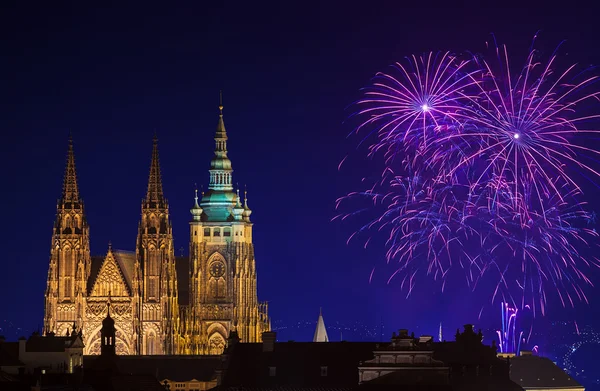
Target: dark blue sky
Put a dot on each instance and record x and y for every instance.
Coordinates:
(112, 75)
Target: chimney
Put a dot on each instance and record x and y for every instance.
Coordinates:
(22, 347)
(269, 338)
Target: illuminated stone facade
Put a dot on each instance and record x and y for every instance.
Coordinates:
(161, 304)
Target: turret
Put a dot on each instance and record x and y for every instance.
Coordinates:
(238, 209)
(247, 210)
(108, 334)
(196, 210)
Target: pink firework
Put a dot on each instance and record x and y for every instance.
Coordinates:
(416, 102)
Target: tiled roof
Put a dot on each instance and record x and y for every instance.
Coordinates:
(540, 372)
(175, 368)
(49, 344)
(126, 261)
(297, 363)
(135, 382)
(9, 354)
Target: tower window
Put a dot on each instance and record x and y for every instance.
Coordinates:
(323, 371)
(227, 232)
(206, 231)
(217, 232)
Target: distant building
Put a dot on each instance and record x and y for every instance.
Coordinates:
(45, 354)
(320, 331)
(411, 361)
(540, 374)
(301, 365)
(161, 304)
(473, 365)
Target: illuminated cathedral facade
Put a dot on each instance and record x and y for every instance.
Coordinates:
(161, 304)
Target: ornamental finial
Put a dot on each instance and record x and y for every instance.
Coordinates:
(221, 102)
(196, 197)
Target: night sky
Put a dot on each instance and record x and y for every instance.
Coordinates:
(114, 75)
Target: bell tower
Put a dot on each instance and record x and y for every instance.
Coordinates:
(70, 261)
(155, 283)
(222, 289)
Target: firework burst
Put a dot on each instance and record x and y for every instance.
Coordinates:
(479, 174)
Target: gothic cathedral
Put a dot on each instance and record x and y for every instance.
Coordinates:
(161, 304)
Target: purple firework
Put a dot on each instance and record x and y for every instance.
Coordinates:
(479, 173)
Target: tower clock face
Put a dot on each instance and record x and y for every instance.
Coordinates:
(217, 269)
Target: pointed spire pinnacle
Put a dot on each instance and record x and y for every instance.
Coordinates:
(246, 197)
(221, 103)
(320, 331)
(70, 191)
(220, 165)
(155, 189)
(110, 246)
(221, 132)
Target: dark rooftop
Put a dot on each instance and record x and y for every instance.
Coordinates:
(539, 372)
(175, 368)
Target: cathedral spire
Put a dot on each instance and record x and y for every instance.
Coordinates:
(155, 189)
(320, 331)
(70, 189)
(220, 165)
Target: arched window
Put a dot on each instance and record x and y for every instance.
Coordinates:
(68, 288)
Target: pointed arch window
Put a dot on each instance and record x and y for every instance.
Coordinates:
(68, 288)
(216, 344)
(153, 261)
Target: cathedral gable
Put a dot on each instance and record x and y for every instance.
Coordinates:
(110, 279)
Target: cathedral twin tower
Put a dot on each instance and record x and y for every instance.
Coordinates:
(161, 304)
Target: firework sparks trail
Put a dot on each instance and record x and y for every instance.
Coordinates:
(512, 335)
